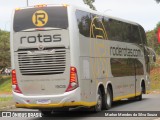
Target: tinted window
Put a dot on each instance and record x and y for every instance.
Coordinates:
(105, 22)
(139, 67)
(135, 35)
(116, 30)
(57, 18)
(84, 21)
(91, 25)
(126, 32)
(95, 26)
(126, 67)
(143, 36)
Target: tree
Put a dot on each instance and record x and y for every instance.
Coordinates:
(158, 1)
(152, 39)
(4, 49)
(157, 26)
(90, 3)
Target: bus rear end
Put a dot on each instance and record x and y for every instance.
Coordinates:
(42, 75)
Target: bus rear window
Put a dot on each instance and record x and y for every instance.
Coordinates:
(47, 17)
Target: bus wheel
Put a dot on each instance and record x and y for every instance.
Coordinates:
(98, 106)
(139, 98)
(108, 99)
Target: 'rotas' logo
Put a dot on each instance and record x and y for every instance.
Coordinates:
(40, 18)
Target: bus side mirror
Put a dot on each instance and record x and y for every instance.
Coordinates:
(147, 59)
(151, 55)
(154, 58)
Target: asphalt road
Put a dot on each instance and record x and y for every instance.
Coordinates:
(149, 103)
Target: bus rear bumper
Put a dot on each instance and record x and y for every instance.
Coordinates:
(68, 99)
(58, 105)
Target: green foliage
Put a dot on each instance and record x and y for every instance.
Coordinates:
(152, 39)
(6, 101)
(4, 49)
(6, 98)
(90, 3)
(157, 26)
(5, 85)
(154, 75)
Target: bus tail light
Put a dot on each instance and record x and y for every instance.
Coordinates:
(14, 82)
(73, 83)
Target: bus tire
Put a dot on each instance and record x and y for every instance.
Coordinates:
(98, 106)
(139, 98)
(108, 99)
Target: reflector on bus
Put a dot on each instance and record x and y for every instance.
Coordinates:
(17, 9)
(65, 5)
(40, 6)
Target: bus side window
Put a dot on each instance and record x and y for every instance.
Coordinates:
(143, 36)
(115, 30)
(135, 36)
(105, 22)
(84, 21)
(139, 67)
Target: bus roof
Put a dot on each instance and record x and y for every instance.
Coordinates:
(103, 14)
(82, 9)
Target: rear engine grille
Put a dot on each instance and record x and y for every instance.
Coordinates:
(50, 61)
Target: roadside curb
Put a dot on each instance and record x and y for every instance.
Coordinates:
(155, 92)
(157, 119)
(8, 108)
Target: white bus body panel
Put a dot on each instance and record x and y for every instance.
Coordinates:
(90, 56)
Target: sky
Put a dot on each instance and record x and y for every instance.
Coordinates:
(144, 12)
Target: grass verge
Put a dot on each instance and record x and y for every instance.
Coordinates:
(6, 101)
(155, 76)
(5, 85)
(6, 98)
(155, 79)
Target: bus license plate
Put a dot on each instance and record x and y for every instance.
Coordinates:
(44, 101)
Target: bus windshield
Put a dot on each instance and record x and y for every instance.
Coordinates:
(47, 17)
